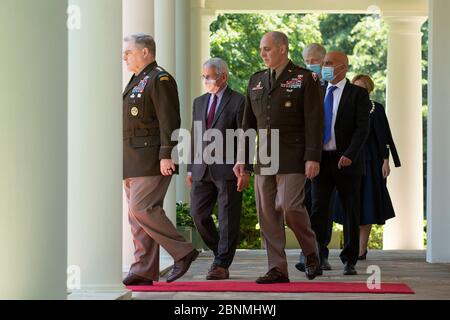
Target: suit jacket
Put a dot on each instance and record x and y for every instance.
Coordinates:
(294, 106)
(383, 133)
(228, 116)
(151, 112)
(352, 126)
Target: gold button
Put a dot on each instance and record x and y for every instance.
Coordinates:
(134, 111)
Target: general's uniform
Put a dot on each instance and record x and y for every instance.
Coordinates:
(292, 104)
(151, 112)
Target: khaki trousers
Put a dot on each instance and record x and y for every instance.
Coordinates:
(150, 226)
(280, 198)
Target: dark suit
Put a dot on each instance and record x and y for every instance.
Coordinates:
(217, 182)
(308, 194)
(383, 134)
(351, 130)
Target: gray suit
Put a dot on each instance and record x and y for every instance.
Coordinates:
(217, 182)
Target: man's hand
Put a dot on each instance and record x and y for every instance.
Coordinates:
(189, 180)
(312, 169)
(243, 182)
(167, 167)
(386, 169)
(239, 170)
(344, 162)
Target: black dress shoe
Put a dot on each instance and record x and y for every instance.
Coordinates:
(312, 267)
(324, 264)
(273, 276)
(349, 270)
(182, 266)
(301, 264)
(134, 280)
(363, 257)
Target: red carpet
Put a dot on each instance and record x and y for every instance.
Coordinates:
(293, 287)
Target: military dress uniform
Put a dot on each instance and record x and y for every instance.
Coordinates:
(151, 112)
(292, 104)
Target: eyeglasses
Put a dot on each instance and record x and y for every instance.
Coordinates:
(209, 78)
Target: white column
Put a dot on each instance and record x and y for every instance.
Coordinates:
(201, 20)
(182, 55)
(404, 109)
(165, 56)
(137, 17)
(33, 162)
(95, 145)
(438, 200)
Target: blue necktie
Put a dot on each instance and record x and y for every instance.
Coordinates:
(329, 101)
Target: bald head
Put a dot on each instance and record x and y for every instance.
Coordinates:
(338, 57)
(339, 61)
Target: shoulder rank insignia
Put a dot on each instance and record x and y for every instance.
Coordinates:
(163, 76)
(258, 87)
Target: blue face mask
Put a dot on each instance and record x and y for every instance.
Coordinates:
(316, 68)
(328, 74)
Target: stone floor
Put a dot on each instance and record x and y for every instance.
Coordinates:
(429, 281)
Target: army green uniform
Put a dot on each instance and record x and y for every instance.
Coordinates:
(151, 112)
(293, 104)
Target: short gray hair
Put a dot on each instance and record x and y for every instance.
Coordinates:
(218, 64)
(314, 49)
(280, 38)
(143, 40)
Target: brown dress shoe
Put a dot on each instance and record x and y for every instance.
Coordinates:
(218, 273)
(182, 266)
(134, 280)
(312, 267)
(273, 276)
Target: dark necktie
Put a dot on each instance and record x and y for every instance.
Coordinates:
(212, 113)
(329, 101)
(273, 78)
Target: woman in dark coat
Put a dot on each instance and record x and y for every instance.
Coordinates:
(376, 204)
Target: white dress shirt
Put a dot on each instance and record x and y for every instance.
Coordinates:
(219, 100)
(337, 94)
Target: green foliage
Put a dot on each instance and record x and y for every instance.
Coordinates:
(184, 218)
(369, 56)
(376, 238)
(250, 237)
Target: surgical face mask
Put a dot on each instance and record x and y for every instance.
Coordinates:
(328, 73)
(316, 68)
(211, 86)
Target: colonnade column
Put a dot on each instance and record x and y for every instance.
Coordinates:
(404, 109)
(33, 164)
(95, 145)
(438, 200)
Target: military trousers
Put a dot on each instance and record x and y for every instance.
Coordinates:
(150, 226)
(280, 199)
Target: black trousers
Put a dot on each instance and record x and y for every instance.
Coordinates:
(204, 195)
(348, 187)
(308, 204)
